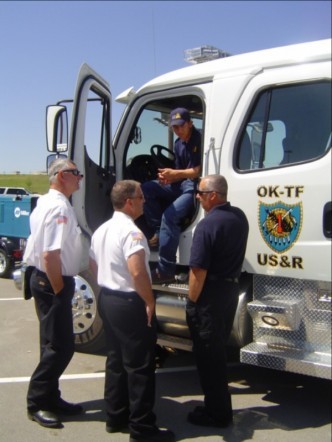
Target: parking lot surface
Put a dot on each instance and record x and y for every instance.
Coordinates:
(268, 405)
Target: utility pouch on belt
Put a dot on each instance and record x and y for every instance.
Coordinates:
(26, 276)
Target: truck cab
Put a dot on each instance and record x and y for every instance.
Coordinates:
(265, 119)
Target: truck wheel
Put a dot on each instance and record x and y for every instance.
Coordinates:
(5, 264)
(88, 329)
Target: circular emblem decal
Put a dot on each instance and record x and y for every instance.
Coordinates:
(280, 224)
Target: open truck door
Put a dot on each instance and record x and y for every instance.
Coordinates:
(90, 147)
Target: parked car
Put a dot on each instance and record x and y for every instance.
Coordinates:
(14, 191)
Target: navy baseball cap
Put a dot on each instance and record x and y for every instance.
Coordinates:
(179, 116)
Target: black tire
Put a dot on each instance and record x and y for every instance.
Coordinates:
(88, 327)
(6, 265)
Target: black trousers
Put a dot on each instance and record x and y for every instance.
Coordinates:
(56, 340)
(210, 322)
(130, 364)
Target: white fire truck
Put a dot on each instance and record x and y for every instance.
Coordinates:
(265, 119)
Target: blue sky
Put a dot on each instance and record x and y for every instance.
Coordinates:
(43, 45)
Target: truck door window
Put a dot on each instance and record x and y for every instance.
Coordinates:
(287, 125)
(96, 121)
(151, 129)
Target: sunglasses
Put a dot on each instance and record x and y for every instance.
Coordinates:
(201, 192)
(75, 172)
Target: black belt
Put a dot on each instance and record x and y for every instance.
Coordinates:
(119, 293)
(221, 279)
(43, 275)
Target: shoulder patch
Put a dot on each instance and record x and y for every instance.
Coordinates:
(62, 219)
(136, 235)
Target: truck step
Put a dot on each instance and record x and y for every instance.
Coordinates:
(174, 342)
(283, 359)
(178, 288)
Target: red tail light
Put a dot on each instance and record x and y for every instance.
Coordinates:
(18, 254)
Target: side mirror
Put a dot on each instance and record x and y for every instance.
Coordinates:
(53, 157)
(136, 135)
(57, 128)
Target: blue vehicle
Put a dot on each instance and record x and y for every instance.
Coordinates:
(15, 212)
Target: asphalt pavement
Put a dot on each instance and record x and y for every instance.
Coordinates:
(268, 405)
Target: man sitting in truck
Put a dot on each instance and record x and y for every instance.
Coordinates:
(170, 199)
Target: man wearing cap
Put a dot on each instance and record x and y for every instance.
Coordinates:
(170, 199)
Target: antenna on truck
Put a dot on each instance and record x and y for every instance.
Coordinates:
(203, 54)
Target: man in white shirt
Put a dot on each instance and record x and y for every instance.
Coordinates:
(119, 260)
(54, 248)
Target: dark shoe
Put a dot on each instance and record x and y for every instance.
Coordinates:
(45, 418)
(157, 436)
(200, 416)
(159, 277)
(63, 407)
(116, 428)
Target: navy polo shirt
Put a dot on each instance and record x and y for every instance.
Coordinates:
(188, 154)
(220, 241)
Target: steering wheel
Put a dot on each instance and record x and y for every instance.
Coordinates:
(162, 157)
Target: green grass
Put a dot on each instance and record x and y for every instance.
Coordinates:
(33, 183)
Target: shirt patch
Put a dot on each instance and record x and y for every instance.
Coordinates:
(136, 236)
(62, 219)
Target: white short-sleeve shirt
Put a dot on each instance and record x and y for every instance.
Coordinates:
(111, 245)
(54, 226)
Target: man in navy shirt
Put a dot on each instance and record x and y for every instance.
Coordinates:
(170, 199)
(216, 259)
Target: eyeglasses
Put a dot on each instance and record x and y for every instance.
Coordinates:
(75, 172)
(201, 192)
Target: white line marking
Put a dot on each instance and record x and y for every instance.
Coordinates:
(11, 299)
(63, 377)
(13, 380)
(66, 377)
